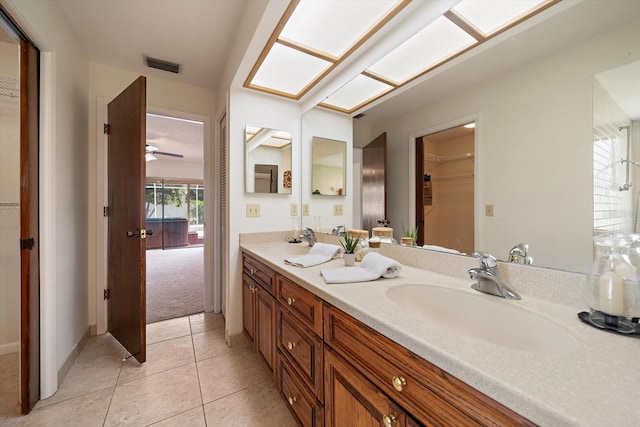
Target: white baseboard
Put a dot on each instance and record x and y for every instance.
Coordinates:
(12, 347)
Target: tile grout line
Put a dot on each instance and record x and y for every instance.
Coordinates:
(193, 346)
(114, 389)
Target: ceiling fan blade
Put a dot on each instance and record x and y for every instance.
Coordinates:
(163, 153)
(150, 148)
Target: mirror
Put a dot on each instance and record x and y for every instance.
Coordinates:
(267, 160)
(328, 167)
(530, 93)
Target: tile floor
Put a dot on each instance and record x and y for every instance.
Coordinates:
(191, 378)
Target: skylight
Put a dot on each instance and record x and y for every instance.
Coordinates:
(316, 36)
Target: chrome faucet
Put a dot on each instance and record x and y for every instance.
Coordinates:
(488, 278)
(336, 231)
(519, 254)
(308, 235)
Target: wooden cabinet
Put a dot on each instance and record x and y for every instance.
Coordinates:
(334, 370)
(259, 310)
(352, 400)
(300, 351)
(429, 394)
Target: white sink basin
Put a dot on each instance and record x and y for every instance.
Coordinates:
(493, 319)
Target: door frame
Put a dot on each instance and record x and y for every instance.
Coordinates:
(476, 117)
(100, 232)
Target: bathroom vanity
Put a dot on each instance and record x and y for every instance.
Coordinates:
(338, 352)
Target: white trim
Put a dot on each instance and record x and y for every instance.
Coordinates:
(8, 348)
(101, 221)
(412, 166)
(48, 238)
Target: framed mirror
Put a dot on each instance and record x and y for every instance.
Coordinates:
(267, 160)
(328, 167)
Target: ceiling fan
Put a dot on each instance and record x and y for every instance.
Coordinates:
(152, 152)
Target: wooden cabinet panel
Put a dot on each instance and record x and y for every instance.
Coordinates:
(301, 302)
(263, 275)
(265, 331)
(248, 308)
(429, 394)
(302, 402)
(353, 401)
(304, 349)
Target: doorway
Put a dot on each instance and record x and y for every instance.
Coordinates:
(174, 204)
(445, 189)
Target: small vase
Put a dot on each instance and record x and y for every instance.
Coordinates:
(408, 241)
(349, 259)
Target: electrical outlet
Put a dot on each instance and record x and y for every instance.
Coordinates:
(305, 209)
(294, 209)
(337, 209)
(488, 210)
(253, 210)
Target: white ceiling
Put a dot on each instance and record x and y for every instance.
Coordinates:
(198, 33)
(194, 33)
(560, 26)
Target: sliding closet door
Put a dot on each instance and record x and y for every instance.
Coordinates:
(29, 244)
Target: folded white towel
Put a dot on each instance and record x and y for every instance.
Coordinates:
(373, 266)
(441, 249)
(319, 253)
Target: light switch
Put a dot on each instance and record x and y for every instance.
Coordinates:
(488, 210)
(337, 209)
(305, 209)
(294, 209)
(253, 210)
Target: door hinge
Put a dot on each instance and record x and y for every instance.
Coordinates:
(106, 211)
(29, 243)
(106, 294)
(106, 128)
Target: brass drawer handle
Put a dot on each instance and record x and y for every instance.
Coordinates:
(253, 271)
(292, 400)
(389, 420)
(291, 345)
(399, 383)
(291, 300)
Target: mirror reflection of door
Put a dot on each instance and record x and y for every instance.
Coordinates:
(374, 195)
(445, 189)
(266, 178)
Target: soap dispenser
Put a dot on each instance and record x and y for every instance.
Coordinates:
(612, 289)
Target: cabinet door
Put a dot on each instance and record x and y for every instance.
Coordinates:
(352, 401)
(248, 307)
(265, 315)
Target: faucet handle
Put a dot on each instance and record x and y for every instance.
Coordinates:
(486, 260)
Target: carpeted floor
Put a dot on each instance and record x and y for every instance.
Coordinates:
(175, 283)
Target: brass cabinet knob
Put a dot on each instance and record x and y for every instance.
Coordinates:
(253, 271)
(291, 300)
(292, 400)
(399, 383)
(291, 345)
(389, 420)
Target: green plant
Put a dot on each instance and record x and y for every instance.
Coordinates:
(411, 233)
(350, 244)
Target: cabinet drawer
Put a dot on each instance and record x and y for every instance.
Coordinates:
(304, 350)
(429, 394)
(304, 304)
(301, 401)
(263, 275)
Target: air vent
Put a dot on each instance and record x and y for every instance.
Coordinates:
(163, 65)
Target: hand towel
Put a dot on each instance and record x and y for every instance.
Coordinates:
(441, 249)
(319, 253)
(373, 267)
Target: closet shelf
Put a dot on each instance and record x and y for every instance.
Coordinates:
(452, 177)
(441, 159)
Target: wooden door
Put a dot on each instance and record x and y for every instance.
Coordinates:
(419, 180)
(29, 239)
(352, 401)
(374, 182)
(265, 318)
(248, 308)
(127, 233)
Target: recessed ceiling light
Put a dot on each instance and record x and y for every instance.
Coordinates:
(470, 125)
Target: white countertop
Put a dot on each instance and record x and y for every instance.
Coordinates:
(597, 384)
